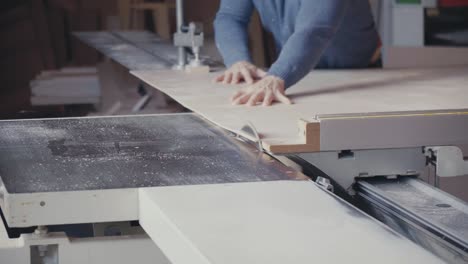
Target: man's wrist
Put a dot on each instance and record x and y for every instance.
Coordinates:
(282, 72)
(276, 78)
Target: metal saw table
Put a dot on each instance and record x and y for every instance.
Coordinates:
(201, 195)
(117, 153)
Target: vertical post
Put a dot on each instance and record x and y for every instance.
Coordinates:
(180, 24)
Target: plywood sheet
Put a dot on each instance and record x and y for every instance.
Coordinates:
(428, 96)
(270, 222)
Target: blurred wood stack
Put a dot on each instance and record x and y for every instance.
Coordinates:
(37, 36)
(162, 12)
(68, 86)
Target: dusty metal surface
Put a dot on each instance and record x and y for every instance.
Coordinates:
(152, 44)
(130, 49)
(138, 50)
(126, 152)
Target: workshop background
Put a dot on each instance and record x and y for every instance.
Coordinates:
(38, 45)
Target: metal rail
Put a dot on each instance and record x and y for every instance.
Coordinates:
(426, 215)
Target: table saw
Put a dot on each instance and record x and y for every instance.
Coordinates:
(195, 188)
(201, 194)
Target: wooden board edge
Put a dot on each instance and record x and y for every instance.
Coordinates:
(309, 133)
(289, 149)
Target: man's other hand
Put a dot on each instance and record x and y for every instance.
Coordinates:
(266, 91)
(241, 72)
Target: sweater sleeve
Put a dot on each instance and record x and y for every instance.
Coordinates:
(316, 25)
(231, 30)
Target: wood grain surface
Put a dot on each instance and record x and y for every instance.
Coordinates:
(351, 109)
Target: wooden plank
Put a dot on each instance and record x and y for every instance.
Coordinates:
(310, 133)
(56, 21)
(59, 100)
(124, 13)
(67, 86)
(162, 22)
(161, 14)
(66, 72)
(335, 102)
(84, 20)
(42, 33)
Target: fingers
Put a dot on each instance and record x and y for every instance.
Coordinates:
(236, 78)
(246, 74)
(243, 99)
(269, 98)
(282, 98)
(267, 90)
(236, 96)
(219, 79)
(227, 78)
(250, 99)
(260, 73)
(239, 72)
(255, 98)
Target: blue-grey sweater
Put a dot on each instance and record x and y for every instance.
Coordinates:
(308, 34)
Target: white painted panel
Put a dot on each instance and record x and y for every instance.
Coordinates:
(408, 25)
(274, 222)
(56, 208)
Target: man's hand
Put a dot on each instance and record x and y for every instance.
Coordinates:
(265, 91)
(241, 72)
